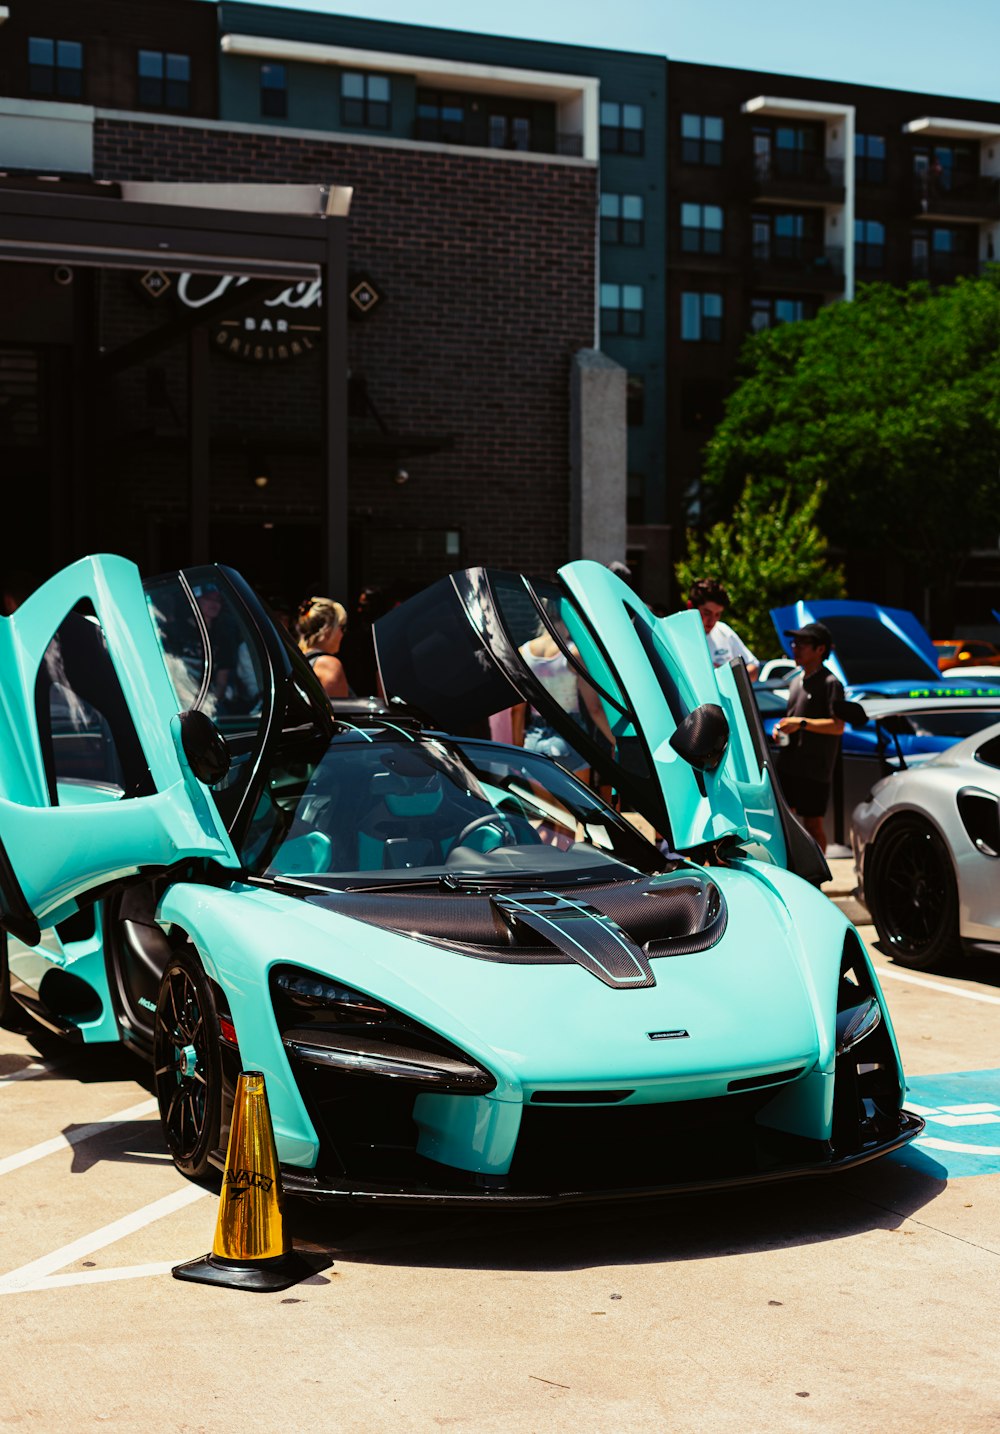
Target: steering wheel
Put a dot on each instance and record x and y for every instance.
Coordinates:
(496, 819)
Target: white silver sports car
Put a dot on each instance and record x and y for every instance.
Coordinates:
(927, 853)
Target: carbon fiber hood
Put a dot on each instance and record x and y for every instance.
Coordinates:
(614, 931)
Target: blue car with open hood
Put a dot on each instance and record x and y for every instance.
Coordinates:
(465, 976)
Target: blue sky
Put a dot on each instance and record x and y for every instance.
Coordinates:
(925, 45)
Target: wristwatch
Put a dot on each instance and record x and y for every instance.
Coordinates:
(802, 724)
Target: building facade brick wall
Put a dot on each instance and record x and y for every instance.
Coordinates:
(486, 267)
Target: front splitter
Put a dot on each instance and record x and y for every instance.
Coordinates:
(304, 1184)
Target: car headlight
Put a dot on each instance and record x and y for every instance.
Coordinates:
(855, 1023)
(326, 1024)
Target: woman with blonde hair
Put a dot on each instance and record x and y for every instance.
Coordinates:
(321, 626)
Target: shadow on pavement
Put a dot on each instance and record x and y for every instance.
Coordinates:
(694, 1227)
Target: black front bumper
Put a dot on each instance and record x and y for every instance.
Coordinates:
(307, 1185)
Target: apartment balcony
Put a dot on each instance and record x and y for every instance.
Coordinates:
(790, 175)
(478, 132)
(968, 198)
(798, 267)
(944, 268)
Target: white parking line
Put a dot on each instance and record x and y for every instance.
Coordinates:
(74, 1137)
(37, 1274)
(36, 1068)
(938, 986)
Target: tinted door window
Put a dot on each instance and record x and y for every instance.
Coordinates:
(84, 725)
(217, 664)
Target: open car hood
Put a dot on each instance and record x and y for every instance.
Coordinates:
(872, 643)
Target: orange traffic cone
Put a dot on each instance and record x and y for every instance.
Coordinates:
(251, 1250)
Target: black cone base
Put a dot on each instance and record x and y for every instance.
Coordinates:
(263, 1276)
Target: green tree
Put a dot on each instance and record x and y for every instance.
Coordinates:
(769, 554)
(891, 401)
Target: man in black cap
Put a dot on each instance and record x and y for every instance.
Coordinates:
(812, 732)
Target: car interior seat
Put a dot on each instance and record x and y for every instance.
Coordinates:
(401, 827)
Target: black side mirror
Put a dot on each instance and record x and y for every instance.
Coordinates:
(897, 724)
(204, 746)
(702, 737)
(850, 712)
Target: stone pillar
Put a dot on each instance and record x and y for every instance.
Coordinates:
(598, 449)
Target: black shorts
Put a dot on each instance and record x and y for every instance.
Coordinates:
(806, 796)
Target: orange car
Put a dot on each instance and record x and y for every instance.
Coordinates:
(966, 651)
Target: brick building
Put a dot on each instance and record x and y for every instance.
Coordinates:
(472, 279)
(515, 203)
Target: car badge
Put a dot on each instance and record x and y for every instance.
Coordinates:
(668, 1035)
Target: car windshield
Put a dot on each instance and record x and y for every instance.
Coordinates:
(952, 724)
(383, 807)
(946, 649)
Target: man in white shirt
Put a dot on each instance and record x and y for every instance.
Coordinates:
(711, 599)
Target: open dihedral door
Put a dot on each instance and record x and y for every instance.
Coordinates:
(94, 782)
(630, 686)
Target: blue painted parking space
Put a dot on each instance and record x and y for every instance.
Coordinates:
(962, 1111)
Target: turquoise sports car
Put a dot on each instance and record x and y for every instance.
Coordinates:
(465, 975)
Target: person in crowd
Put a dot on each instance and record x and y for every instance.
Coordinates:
(806, 764)
(547, 660)
(321, 626)
(711, 599)
(359, 648)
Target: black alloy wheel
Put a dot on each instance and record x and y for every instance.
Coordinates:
(912, 895)
(187, 1064)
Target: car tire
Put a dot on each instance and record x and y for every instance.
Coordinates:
(187, 1065)
(912, 896)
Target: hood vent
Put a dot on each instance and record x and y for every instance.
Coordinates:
(580, 932)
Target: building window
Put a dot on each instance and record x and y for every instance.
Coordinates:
(945, 169)
(273, 90)
(790, 151)
(164, 80)
(508, 131)
(701, 228)
(622, 310)
(941, 253)
(767, 313)
(440, 118)
(701, 139)
(635, 400)
(622, 128)
(701, 317)
(364, 100)
(869, 158)
(55, 67)
(622, 219)
(869, 243)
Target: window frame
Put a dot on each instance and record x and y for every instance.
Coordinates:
(869, 253)
(614, 323)
(697, 147)
(702, 238)
(619, 227)
(375, 113)
(707, 328)
(64, 78)
(176, 100)
(869, 168)
(617, 136)
(276, 93)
